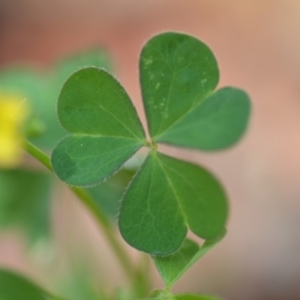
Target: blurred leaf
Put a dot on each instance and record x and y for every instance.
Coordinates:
(155, 295)
(26, 82)
(165, 198)
(169, 296)
(94, 57)
(195, 297)
(80, 286)
(172, 267)
(217, 122)
(41, 99)
(25, 201)
(16, 287)
(108, 194)
(177, 71)
(41, 89)
(107, 131)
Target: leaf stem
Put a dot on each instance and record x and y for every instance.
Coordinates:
(87, 200)
(144, 274)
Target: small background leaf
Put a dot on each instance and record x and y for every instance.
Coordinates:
(17, 287)
(25, 202)
(93, 57)
(80, 285)
(160, 295)
(108, 194)
(195, 297)
(34, 87)
(176, 72)
(172, 267)
(216, 123)
(163, 295)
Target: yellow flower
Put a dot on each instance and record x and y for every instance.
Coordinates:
(13, 112)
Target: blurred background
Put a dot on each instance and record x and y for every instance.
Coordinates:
(257, 46)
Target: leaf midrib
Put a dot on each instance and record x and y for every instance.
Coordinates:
(183, 179)
(101, 107)
(92, 135)
(199, 102)
(173, 189)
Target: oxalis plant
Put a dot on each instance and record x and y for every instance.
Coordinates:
(167, 196)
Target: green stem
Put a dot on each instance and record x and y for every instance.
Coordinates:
(144, 273)
(87, 200)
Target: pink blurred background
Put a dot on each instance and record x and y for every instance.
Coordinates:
(258, 49)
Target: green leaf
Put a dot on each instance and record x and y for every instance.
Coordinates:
(25, 202)
(80, 285)
(177, 71)
(17, 287)
(195, 297)
(150, 219)
(217, 122)
(93, 102)
(166, 197)
(105, 126)
(172, 267)
(88, 160)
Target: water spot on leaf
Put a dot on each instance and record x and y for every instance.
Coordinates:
(148, 61)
